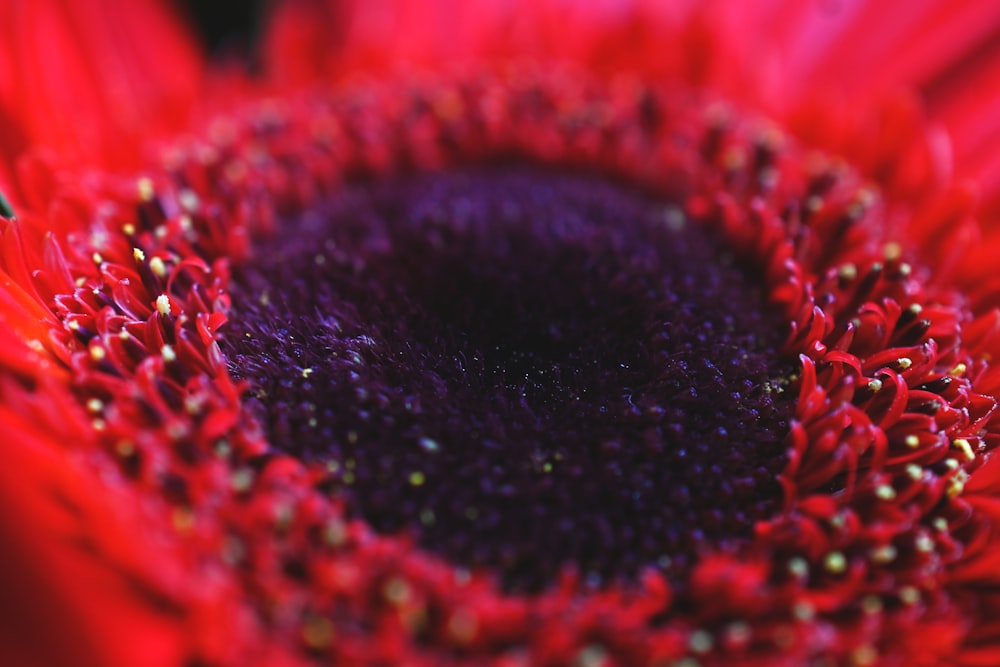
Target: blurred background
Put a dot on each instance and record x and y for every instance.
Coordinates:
(227, 28)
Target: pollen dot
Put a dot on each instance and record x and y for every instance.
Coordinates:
(163, 304)
(885, 492)
(157, 266)
(835, 562)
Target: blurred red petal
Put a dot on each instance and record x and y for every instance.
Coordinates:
(92, 78)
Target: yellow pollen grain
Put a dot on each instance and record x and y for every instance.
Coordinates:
(594, 655)
(157, 266)
(909, 595)
(95, 405)
(128, 228)
(97, 258)
(168, 354)
(864, 656)
(335, 533)
(675, 219)
(965, 447)
(905, 269)
(951, 464)
(914, 472)
(163, 304)
(871, 604)
(124, 334)
(875, 385)
(912, 441)
(924, 543)
(835, 562)
(884, 554)
(73, 325)
(885, 492)
(940, 523)
(193, 404)
(241, 480)
(183, 519)
(798, 567)
(306, 372)
(803, 611)
(904, 363)
(734, 159)
(738, 632)
(892, 251)
(956, 484)
(847, 272)
(317, 632)
(463, 626)
(417, 478)
(145, 189)
(98, 353)
(958, 370)
(188, 200)
(396, 591)
(99, 424)
(138, 254)
(700, 641)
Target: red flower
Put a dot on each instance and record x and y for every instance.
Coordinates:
(697, 298)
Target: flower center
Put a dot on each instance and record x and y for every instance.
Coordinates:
(527, 370)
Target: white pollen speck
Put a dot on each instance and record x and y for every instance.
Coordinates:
(885, 492)
(163, 304)
(893, 251)
(145, 188)
(158, 267)
(168, 354)
(835, 562)
(700, 641)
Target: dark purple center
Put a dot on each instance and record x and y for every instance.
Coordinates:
(525, 369)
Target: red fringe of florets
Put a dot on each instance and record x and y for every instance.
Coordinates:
(883, 552)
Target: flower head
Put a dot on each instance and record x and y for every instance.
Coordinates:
(542, 343)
